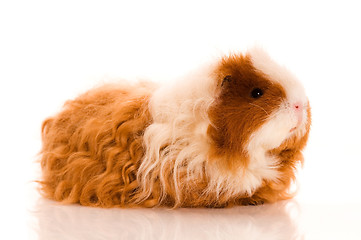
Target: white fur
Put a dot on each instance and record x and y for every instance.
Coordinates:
(177, 137)
(279, 74)
(278, 125)
(285, 118)
(180, 122)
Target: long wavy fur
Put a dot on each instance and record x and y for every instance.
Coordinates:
(92, 149)
(125, 145)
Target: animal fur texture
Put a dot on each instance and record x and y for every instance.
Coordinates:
(228, 134)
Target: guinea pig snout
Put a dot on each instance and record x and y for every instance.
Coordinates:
(298, 110)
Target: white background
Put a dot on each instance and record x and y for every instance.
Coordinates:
(51, 51)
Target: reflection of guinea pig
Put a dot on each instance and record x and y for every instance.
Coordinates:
(228, 134)
(278, 221)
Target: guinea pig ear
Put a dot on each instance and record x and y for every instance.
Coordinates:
(227, 78)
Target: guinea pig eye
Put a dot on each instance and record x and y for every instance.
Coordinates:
(227, 78)
(256, 93)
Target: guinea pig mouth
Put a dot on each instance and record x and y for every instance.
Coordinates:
(293, 129)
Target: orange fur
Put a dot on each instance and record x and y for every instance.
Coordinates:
(91, 150)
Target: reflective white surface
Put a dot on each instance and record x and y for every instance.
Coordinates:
(287, 220)
(74, 222)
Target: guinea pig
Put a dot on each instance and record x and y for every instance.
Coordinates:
(230, 133)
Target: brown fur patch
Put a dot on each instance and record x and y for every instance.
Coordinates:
(235, 115)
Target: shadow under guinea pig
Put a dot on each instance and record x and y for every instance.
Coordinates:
(270, 221)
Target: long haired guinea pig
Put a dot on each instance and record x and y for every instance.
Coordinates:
(229, 134)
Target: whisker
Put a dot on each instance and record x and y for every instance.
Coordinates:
(260, 108)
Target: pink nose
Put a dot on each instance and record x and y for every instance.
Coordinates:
(299, 112)
(298, 107)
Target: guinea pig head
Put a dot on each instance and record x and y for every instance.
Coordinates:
(259, 107)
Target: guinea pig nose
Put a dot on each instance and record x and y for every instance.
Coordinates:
(298, 106)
